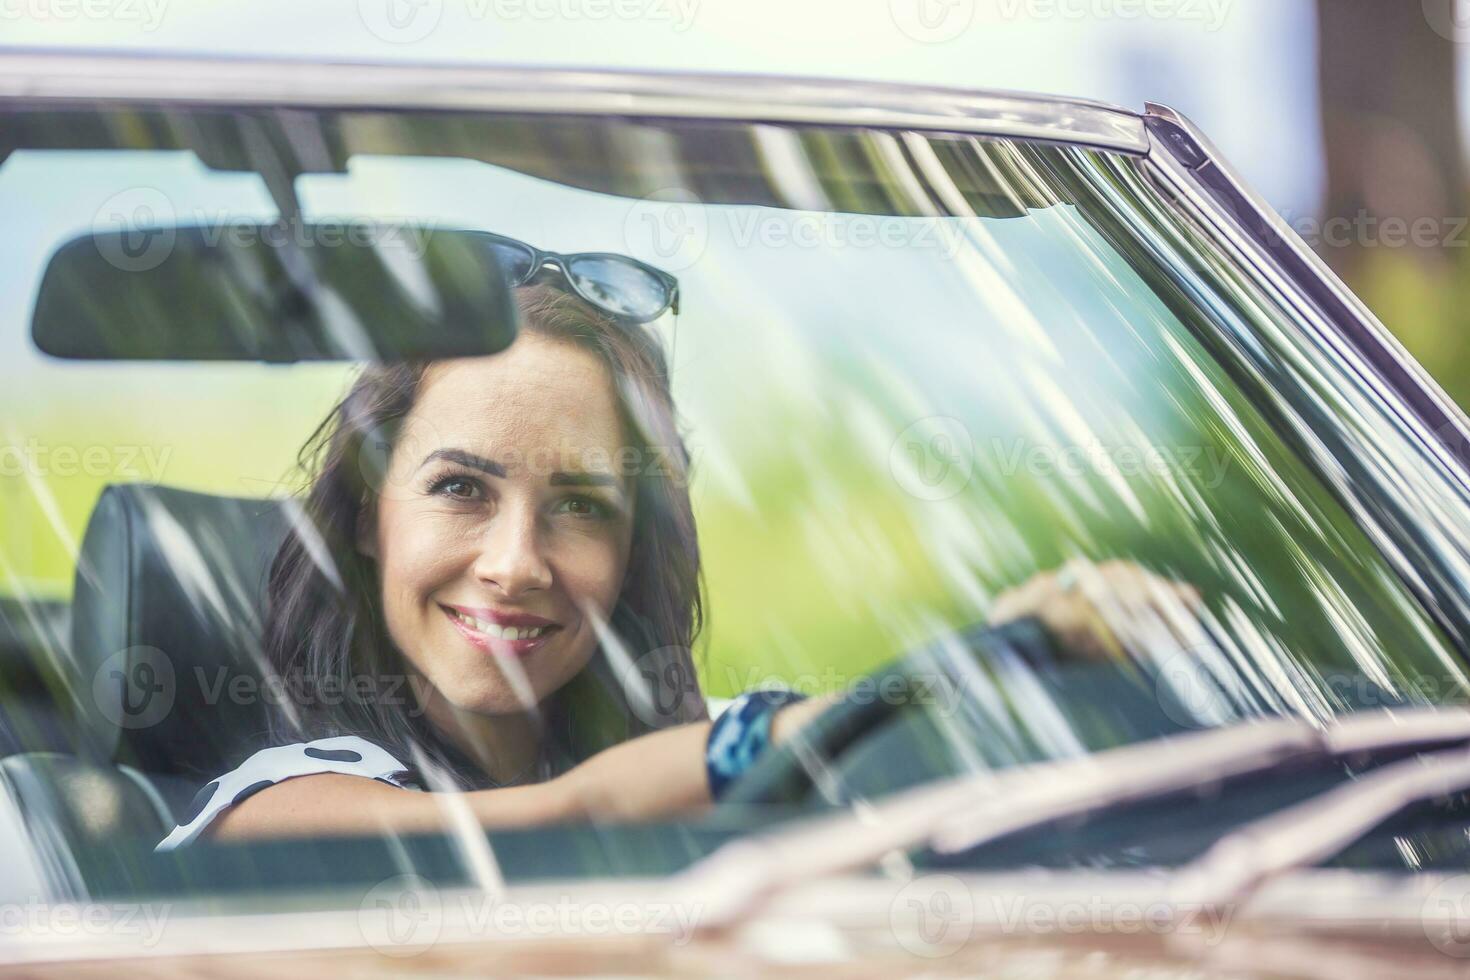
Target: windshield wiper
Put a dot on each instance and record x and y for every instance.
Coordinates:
(967, 811)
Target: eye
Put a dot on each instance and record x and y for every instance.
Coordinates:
(456, 487)
(585, 507)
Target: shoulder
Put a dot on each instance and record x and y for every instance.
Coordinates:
(348, 755)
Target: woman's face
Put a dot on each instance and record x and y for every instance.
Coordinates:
(503, 523)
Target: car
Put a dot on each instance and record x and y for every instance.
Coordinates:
(926, 343)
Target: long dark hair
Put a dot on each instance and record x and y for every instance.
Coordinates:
(324, 629)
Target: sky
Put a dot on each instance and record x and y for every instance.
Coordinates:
(1244, 70)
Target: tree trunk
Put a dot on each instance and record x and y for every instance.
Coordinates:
(1391, 125)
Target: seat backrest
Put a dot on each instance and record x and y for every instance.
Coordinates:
(166, 625)
(73, 813)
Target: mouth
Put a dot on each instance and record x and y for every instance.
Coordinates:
(505, 641)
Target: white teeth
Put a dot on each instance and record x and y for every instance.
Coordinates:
(497, 631)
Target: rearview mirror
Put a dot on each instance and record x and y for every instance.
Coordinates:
(310, 292)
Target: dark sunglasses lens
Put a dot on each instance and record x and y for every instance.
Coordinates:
(516, 260)
(619, 287)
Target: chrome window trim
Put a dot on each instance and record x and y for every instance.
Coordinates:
(1208, 191)
(47, 77)
(1268, 245)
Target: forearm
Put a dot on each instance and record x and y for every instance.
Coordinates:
(652, 776)
(330, 804)
(657, 775)
(664, 773)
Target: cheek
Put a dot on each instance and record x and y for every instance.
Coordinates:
(591, 570)
(416, 555)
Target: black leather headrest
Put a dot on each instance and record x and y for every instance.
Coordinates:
(166, 624)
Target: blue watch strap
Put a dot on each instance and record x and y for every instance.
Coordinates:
(740, 734)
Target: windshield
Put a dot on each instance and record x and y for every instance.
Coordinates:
(911, 372)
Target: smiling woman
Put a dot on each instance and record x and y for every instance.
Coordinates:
(474, 528)
(491, 584)
(505, 535)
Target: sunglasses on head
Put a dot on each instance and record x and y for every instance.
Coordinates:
(619, 286)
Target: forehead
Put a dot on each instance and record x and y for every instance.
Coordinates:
(537, 392)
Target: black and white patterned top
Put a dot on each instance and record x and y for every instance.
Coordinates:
(349, 755)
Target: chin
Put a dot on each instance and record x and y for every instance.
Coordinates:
(489, 692)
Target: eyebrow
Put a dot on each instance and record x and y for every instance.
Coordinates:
(465, 459)
(583, 479)
(491, 467)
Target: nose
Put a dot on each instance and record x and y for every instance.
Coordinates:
(511, 556)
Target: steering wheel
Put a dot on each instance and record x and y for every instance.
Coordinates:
(785, 774)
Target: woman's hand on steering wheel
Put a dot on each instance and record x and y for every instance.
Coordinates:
(1099, 612)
